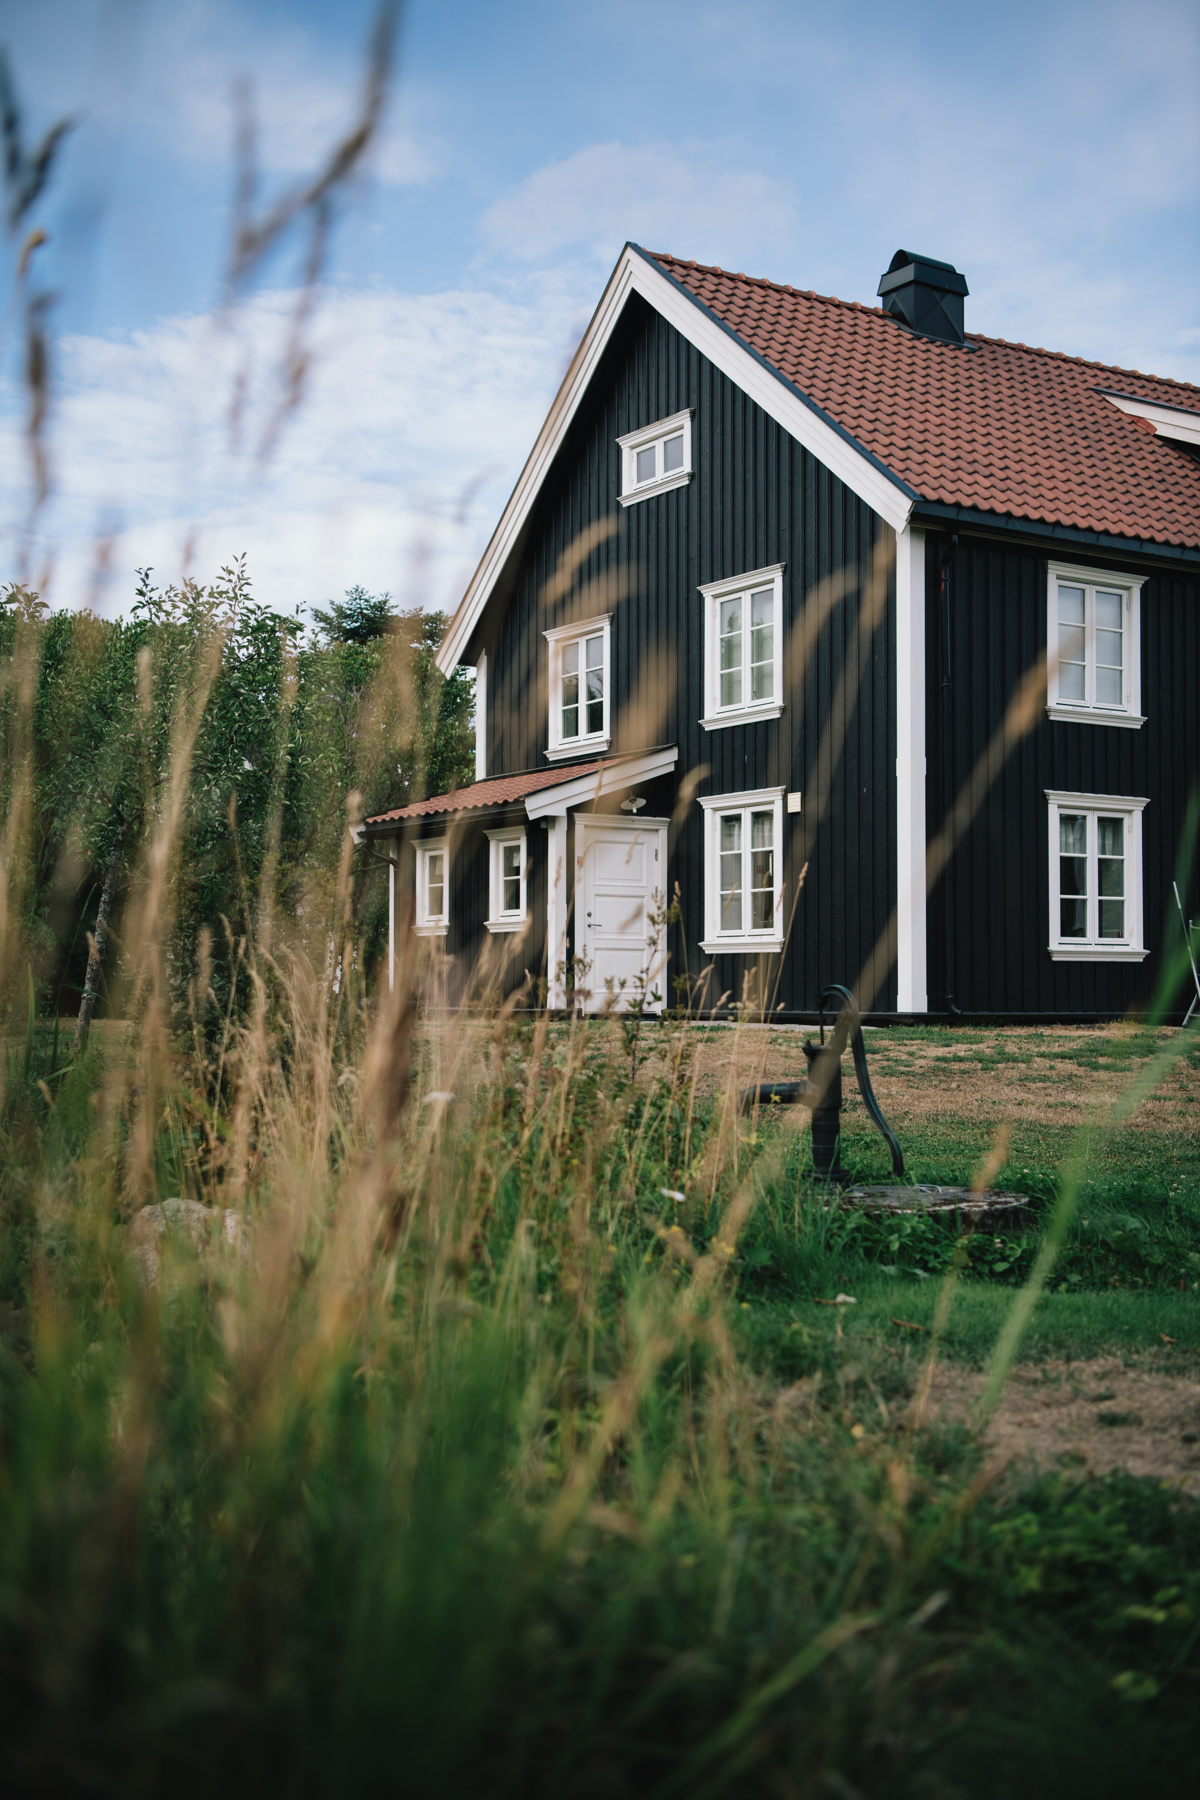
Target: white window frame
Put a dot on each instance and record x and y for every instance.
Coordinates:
(715, 805)
(1087, 711)
(498, 919)
(633, 490)
(426, 926)
(715, 715)
(1094, 948)
(559, 747)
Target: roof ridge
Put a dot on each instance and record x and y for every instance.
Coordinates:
(980, 337)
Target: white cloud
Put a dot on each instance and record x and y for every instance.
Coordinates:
(418, 414)
(689, 197)
(166, 74)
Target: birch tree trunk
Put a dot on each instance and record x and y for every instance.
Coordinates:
(95, 965)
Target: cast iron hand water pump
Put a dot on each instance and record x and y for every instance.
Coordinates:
(822, 1092)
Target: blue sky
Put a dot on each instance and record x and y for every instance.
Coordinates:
(1051, 151)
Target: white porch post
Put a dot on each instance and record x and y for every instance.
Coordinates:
(392, 918)
(911, 945)
(556, 908)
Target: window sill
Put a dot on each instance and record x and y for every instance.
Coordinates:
(506, 924)
(1097, 953)
(1094, 715)
(578, 747)
(738, 946)
(744, 715)
(431, 930)
(679, 478)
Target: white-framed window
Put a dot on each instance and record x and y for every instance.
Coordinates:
(580, 683)
(743, 871)
(506, 879)
(656, 458)
(433, 887)
(1096, 877)
(1095, 644)
(743, 648)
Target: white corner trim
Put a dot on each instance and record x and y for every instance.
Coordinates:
(633, 274)
(1095, 953)
(744, 715)
(1088, 802)
(578, 749)
(1066, 714)
(912, 952)
(679, 478)
(481, 718)
(1179, 422)
(610, 778)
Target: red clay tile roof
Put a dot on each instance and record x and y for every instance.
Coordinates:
(501, 789)
(1000, 427)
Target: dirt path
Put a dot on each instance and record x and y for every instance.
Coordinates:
(1089, 1416)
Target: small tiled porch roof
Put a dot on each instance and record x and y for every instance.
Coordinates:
(501, 790)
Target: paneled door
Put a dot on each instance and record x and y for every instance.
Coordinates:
(620, 882)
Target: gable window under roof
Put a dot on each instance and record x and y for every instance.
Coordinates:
(656, 458)
(743, 645)
(1094, 646)
(579, 687)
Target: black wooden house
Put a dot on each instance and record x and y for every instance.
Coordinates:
(759, 632)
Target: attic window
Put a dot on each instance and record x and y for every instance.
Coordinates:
(656, 458)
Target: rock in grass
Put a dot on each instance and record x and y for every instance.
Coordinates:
(188, 1222)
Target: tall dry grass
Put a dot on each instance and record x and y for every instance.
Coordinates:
(429, 1451)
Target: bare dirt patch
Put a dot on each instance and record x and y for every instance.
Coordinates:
(1028, 1075)
(1090, 1417)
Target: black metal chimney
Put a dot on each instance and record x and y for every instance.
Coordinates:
(926, 294)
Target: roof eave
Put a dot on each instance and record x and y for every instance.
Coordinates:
(935, 512)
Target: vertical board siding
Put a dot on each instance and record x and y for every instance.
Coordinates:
(989, 919)
(756, 498)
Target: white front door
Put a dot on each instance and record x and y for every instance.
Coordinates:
(620, 884)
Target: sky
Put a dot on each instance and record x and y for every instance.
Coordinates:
(1050, 151)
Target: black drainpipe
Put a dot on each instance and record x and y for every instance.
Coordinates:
(949, 783)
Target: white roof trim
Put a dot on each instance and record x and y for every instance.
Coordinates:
(609, 778)
(1179, 422)
(769, 389)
